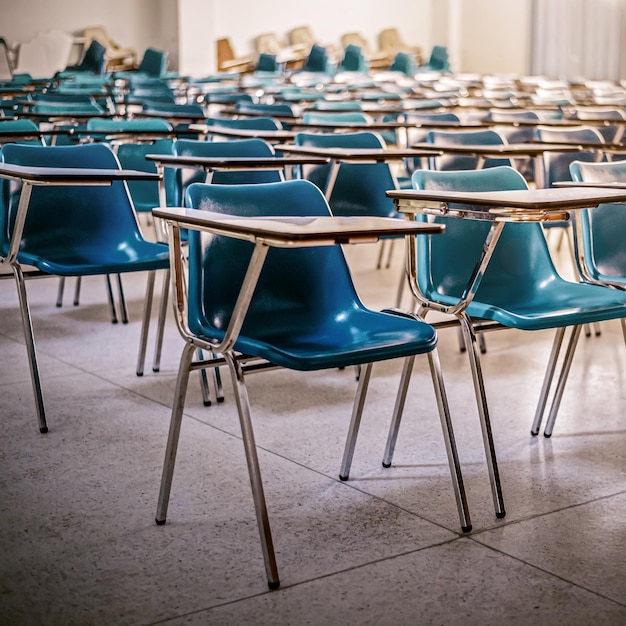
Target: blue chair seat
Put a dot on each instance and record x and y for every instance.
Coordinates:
(362, 337)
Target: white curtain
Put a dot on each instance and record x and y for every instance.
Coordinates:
(577, 38)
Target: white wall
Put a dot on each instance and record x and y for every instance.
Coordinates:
(495, 36)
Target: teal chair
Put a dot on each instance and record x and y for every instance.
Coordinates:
(336, 117)
(337, 105)
(233, 148)
(76, 231)
(459, 138)
(353, 60)
(520, 289)
(93, 60)
(437, 62)
(404, 63)
(245, 123)
(360, 188)
(304, 315)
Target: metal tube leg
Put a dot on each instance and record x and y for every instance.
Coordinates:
(156, 364)
(390, 253)
(355, 421)
(254, 471)
(219, 389)
(560, 387)
(381, 254)
(204, 383)
(623, 320)
(123, 309)
(547, 381)
(145, 324)
(29, 338)
(398, 410)
(60, 291)
(448, 436)
(77, 291)
(172, 439)
(111, 300)
(483, 412)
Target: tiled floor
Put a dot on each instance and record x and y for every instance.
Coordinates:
(78, 542)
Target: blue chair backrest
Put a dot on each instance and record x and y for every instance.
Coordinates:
(353, 59)
(360, 188)
(267, 63)
(153, 62)
(249, 123)
(438, 60)
(403, 62)
(337, 105)
(556, 164)
(520, 263)
(603, 229)
(339, 117)
(459, 138)
(317, 60)
(93, 60)
(234, 148)
(267, 109)
(66, 218)
(298, 288)
(132, 156)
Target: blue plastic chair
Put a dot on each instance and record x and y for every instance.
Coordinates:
(233, 148)
(93, 60)
(520, 289)
(602, 229)
(245, 123)
(360, 188)
(448, 162)
(76, 231)
(353, 60)
(304, 315)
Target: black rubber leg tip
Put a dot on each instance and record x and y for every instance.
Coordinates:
(160, 522)
(466, 529)
(158, 369)
(501, 515)
(207, 403)
(43, 430)
(274, 586)
(343, 478)
(387, 465)
(547, 436)
(534, 433)
(139, 374)
(220, 399)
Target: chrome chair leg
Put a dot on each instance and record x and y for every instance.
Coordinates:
(145, 324)
(204, 382)
(254, 471)
(483, 412)
(547, 381)
(355, 421)
(158, 345)
(448, 436)
(77, 291)
(123, 309)
(381, 253)
(174, 433)
(560, 387)
(29, 338)
(60, 291)
(482, 342)
(111, 301)
(623, 320)
(390, 253)
(398, 410)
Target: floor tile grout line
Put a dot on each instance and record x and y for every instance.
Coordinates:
(548, 572)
